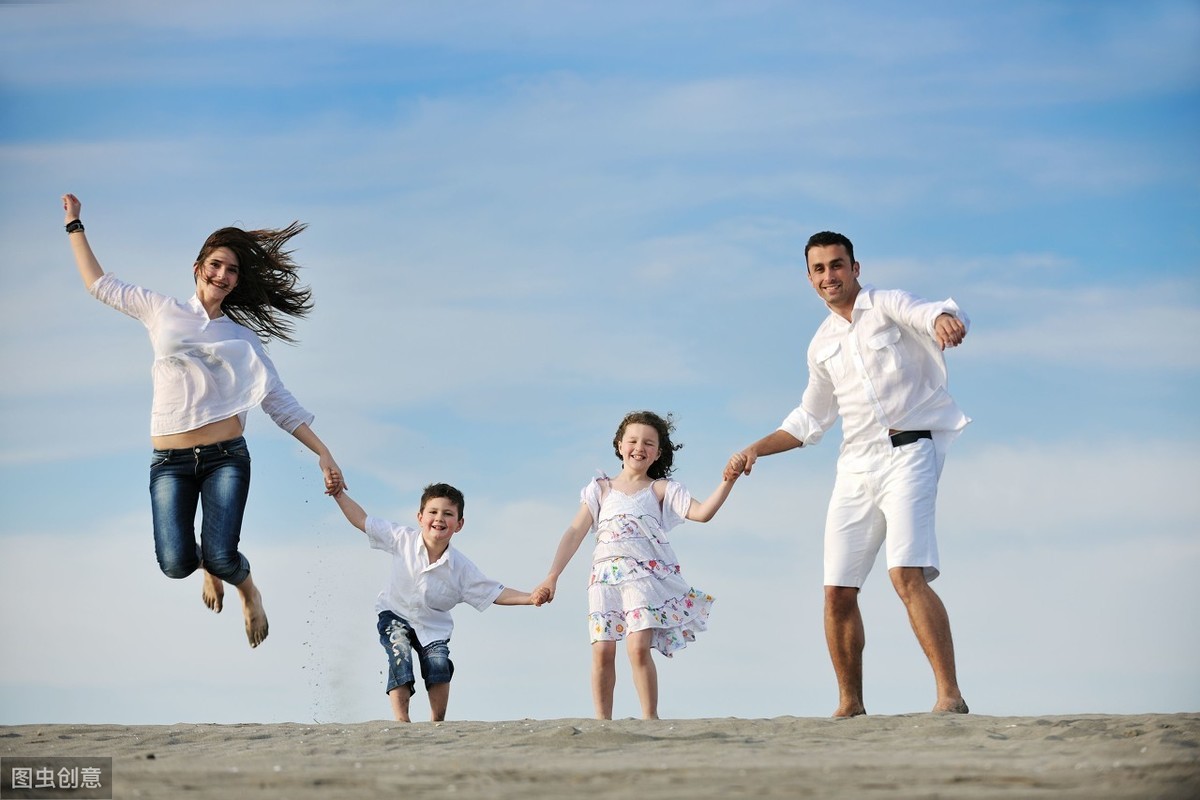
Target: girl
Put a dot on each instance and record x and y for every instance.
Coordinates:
(210, 369)
(636, 592)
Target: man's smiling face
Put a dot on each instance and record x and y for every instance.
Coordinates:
(833, 274)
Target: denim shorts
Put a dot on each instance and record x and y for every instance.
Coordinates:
(399, 639)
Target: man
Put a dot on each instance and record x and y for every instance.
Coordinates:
(877, 362)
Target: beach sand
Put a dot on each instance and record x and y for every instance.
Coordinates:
(913, 755)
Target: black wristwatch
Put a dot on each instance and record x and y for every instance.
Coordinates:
(74, 225)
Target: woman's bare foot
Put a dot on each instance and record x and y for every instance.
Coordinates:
(213, 592)
(253, 611)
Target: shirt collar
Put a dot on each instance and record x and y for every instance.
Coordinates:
(424, 554)
(865, 297)
(198, 308)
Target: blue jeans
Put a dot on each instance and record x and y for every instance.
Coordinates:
(216, 476)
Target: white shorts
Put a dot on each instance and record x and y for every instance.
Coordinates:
(894, 503)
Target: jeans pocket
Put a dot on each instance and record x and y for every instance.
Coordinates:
(159, 457)
(239, 451)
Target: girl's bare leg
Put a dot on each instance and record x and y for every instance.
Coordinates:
(645, 674)
(604, 677)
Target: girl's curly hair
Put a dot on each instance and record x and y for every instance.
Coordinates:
(268, 288)
(666, 459)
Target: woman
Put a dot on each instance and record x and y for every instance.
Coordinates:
(210, 369)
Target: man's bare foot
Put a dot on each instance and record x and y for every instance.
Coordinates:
(958, 706)
(849, 711)
(213, 592)
(253, 611)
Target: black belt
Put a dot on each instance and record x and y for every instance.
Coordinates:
(908, 437)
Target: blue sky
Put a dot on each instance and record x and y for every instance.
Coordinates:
(527, 218)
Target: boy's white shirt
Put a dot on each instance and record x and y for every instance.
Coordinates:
(423, 593)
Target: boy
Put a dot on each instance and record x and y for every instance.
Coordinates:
(428, 579)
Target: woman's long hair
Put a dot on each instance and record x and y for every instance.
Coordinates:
(268, 289)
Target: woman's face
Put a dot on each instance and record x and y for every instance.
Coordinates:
(217, 275)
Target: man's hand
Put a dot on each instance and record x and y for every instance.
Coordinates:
(949, 330)
(739, 464)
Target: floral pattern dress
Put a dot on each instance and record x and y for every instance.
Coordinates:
(635, 582)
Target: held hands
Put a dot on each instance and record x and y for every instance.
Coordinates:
(71, 206)
(949, 330)
(543, 592)
(739, 464)
(335, 483)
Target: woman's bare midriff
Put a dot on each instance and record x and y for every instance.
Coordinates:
(213, 432)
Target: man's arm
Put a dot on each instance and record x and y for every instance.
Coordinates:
(778, 441)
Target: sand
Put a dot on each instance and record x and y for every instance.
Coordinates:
(915, 755)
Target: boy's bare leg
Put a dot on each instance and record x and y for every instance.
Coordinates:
(645, 674)
(604, 677)
(398, 698)
(253, 611)
(931, 624)
(846, 639)
(213, 591)
(439, 698)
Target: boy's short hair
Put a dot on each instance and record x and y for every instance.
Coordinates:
(446, 491)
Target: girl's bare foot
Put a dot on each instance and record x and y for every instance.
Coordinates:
(253, 611)
(213, 592)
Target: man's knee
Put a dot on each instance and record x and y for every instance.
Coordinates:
(840, 600)
(909, 582)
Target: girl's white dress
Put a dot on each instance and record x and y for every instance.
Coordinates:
(635, 582)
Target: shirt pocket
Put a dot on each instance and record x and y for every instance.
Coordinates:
(440, 595)
(884, 346)
(828, 358)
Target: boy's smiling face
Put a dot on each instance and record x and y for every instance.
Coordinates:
(439, 520)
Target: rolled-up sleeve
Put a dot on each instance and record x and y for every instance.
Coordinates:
(817, 410)
(280, 405)
(919, 314)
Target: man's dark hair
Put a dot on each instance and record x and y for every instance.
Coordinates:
(828, 239)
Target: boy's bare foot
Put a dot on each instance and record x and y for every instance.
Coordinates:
(850, 711)
(958, 706)
(213, 592)
(253, 611)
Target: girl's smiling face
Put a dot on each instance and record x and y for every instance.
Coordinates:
(639, 446)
